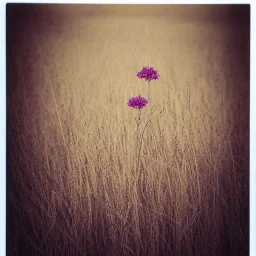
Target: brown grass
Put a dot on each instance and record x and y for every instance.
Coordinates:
(73, 188)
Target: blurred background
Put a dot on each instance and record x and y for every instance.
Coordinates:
(71, 138)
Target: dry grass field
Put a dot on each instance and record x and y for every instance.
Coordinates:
(74, 187)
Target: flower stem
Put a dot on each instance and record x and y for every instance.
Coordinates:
(141, 139)
(149, 97)
(138, 126)
(138, 120)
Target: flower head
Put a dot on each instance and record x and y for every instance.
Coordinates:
(137, 102)
(148, 73)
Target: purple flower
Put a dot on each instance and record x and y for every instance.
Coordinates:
(137, 102)
(148, 73)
